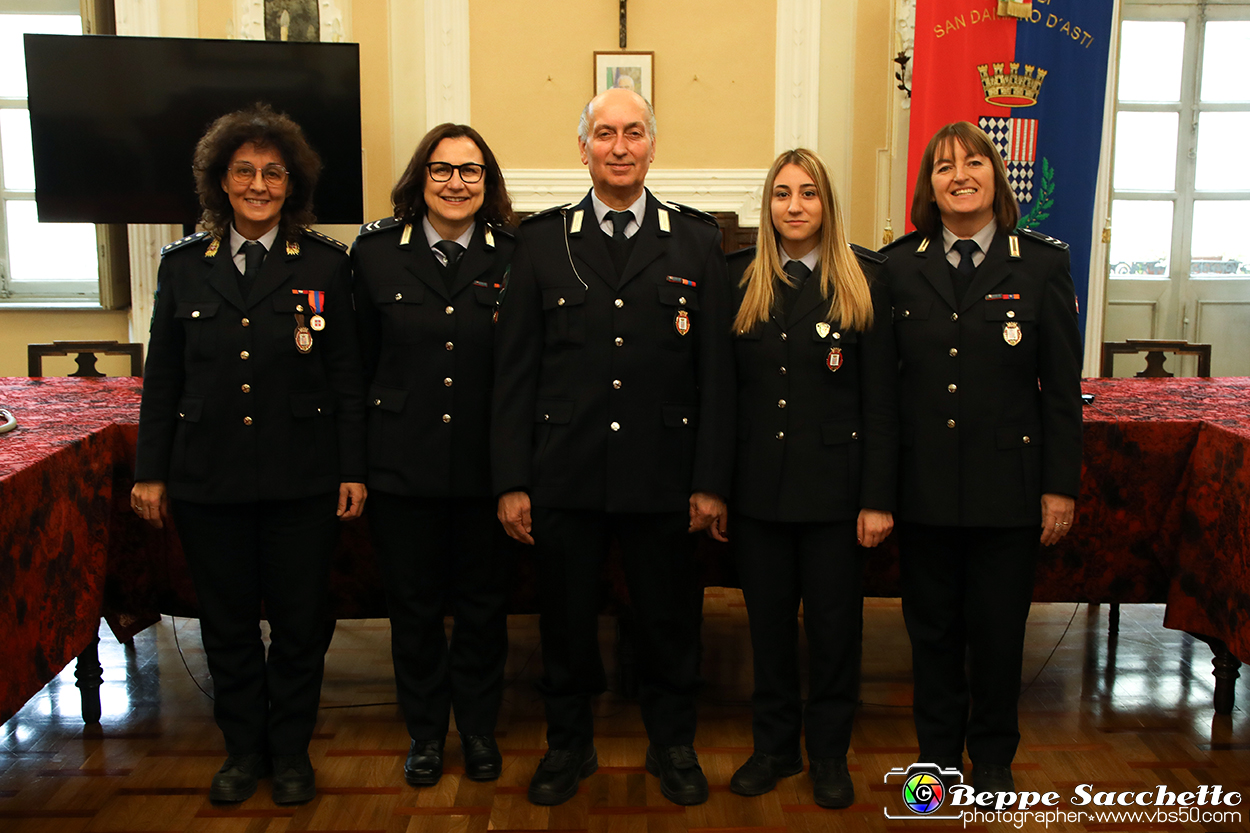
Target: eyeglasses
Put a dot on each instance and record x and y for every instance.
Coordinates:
(244, 174)
(470, 172)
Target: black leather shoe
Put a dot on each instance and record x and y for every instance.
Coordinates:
(482, 761)
(236, 780)
(293, 779)
(425, 763)
(559, 772)
(761, 771)
(681, 778)
(831, 783)
(992, 778)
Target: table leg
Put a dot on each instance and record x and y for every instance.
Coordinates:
(1226, 675)
(88, 672)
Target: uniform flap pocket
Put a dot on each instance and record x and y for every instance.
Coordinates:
(836, 337)
(563, 296)
(554, 411)
(676, 295)
(193, 309)
(311, 404)
(190, 408)
(410, 294)
(679, 416)
(486, 295)
(291, 302)
(918, 310)
(387, 399)
(1018, 436)
(1009, 311)
(837, 433)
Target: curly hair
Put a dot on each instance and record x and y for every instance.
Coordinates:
(408, 196)
(260, 125)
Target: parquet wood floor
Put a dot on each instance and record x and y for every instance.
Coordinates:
(1129, 713)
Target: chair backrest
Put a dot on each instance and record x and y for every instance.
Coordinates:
(86, 356)
(1155, 350)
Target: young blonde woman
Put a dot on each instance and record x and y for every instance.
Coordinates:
(815, 477)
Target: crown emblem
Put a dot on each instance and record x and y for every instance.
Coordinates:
(1013, 89)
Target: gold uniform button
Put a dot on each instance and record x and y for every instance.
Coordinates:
(837, 335)
(616, 384)
(546, 417)
(247, 420)
(954, 352)
(246, 388)
(449, 346)
(449, 310)
(907, 313)
(181, 415)
(782, 371)
(620, 342)
(854, 435)
(1011, 313)
(1027, 440)
(685, 420)
(446, 417)
(377, 402)
(950, 423)
(244, 355)
(299, 307)
(616, 426)
(195, 314)
(682, 300)
(781, 403)
(952, 388)
(783, 336)
(399, 296)
(954, 316)
(246, 323)
(781, 435)
(619, 303)
(560, 302)
(447, 382)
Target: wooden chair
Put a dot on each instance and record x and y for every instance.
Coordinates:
(86, 356)
(1155, 350)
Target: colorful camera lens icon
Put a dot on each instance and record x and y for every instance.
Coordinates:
(923, 788)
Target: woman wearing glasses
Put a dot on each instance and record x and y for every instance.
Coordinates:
(427, 282)
(251, 437)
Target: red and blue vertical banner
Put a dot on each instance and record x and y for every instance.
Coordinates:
(1037, 86)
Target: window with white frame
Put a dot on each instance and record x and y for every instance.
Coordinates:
(39, 262)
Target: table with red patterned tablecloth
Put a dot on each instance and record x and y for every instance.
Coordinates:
(1160, 518)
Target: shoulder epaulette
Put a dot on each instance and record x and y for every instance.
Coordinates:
(325, 238)
(898, 241)
(868, 254)
(546, 212)
(506, 231)
(186, 241)
(693, 212)
(1041, 238)
(742, 254)
(379, 225)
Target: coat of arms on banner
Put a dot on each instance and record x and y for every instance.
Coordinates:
(1015, 138)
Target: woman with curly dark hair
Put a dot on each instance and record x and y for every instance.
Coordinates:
(427, 282)
(251, 437)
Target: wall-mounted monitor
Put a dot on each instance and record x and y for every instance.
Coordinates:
(114, 120)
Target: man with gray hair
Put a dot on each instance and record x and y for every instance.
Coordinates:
(614, 422)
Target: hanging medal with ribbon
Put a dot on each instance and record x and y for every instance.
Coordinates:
(833, 360)
(303, 336)
(1012, 333)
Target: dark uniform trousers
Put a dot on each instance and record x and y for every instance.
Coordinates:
(991, 421)
(613, 403)
(253, 437)
(239, 554)
(427, 339)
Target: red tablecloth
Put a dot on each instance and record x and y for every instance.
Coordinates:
(1159, 519)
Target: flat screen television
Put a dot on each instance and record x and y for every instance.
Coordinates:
(114, 120)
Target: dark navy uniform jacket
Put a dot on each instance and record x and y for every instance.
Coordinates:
(232, 411)
(814, 444)
(987, 426)
(428, 352)
(615, 394)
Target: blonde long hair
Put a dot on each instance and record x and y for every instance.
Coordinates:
(842, 280)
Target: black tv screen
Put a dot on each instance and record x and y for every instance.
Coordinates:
(114, 120)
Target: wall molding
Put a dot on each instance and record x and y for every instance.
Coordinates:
(248, 22)
(797, 94)
(708, 189)
(446, 62)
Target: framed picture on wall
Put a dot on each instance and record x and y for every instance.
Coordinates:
(631, 70)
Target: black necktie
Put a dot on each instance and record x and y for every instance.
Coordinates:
(620, 219)
(452, 251)
(963, 272)
(253, 257)
(799, 273)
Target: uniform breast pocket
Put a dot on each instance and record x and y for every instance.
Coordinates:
(678, 316)
(564, 311)
(400, 307)
(1016, 322)
(197, 323)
